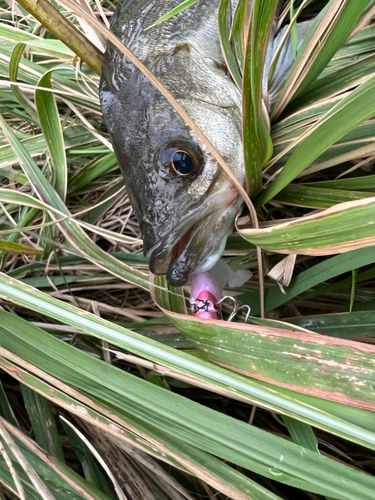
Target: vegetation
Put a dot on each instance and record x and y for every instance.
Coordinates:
(109, 388)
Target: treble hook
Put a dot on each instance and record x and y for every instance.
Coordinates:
(248, 311)
(228, 297)
(235, 305)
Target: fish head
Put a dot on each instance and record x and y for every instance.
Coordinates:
(184, 201)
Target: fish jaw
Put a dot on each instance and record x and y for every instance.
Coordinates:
(199, 242)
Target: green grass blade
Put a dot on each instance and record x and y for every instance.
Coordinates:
(226, 44)
(6, 410)
(342, 27)
(319, 273)
(344, 325)
(200, 372)
(238, 29)
(18, 248)
(359, 105)
(123, 427)
(316, 197)
(256, 138)
(13, 71)
(301, 433)
(341, 228)
(71, 228)
(50, 122)
(91, 470)
(56, 476)
(182, 6)
(302, 361)
(43, 422)
(365, 183)
(174, 415)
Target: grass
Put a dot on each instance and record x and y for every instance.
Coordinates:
(108, 388)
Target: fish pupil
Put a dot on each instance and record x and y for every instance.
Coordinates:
(183, 163)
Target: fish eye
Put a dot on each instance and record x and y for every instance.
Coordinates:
(182, 163)
(181, 157)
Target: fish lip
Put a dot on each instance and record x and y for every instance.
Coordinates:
(161, 254)
(166, 252)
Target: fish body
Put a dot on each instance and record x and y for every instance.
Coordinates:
(184, 202)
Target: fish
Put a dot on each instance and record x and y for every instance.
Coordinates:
(184, 201)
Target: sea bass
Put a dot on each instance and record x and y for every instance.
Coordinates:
(185, 203)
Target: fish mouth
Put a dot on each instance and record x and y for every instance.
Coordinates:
(196, 245)
(164, 258)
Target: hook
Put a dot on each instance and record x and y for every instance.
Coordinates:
(235, 305)
(248, 311)
(228, 297)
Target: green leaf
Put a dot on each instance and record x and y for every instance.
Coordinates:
(200, 373)
(238, 30)
(344, 325)
(182, 6)
(319, 273)
(301, 433)
(226, 44)
(341, 228)
(18, 248)
(303, 195)
(168, 413)
(359, 105)
(256, 138)
(50, 122)
(13, 70)
(337, 369)
(365, 183)
(43, 422)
